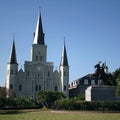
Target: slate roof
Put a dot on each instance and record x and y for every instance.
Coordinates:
(39, 35)
(64, 60)
(13, 59)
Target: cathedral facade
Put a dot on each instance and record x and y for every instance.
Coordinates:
(37, 74)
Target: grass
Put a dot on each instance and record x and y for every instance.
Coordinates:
(56, 115)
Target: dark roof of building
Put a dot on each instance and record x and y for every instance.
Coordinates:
(39, 35)
(13, 59)
(64, 60)
(89, 77)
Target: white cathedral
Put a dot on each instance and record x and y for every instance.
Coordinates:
(37, 74)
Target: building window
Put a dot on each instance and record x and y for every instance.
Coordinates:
(36, 88)
(11, 86)
(28, 73)
(36, 58)
(56, 88)
(92, 82)
(39, 87)
(72, 84)
(48, 73)
(64, 87)
(33, 85)
(40, 58)
(20, 87)
(85, 82)
(38, 75)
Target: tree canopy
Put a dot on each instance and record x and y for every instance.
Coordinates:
(116, 77)
(47, 98)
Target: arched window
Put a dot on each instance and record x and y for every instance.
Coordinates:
(36, 58)
(36, 87)
(11, 86)
(41, 58)
(20, 87)
(56, 88)
(39, 87)
(64, 87)
(28, 73)
(48, 73)
(38, 75)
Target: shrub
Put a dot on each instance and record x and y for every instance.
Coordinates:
(47, 98)
(67, 104)
(6, 103)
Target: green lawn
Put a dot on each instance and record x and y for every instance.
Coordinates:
(56, 115)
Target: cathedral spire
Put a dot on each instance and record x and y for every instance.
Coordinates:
(64, 60)
(39, 35)
(13, 59)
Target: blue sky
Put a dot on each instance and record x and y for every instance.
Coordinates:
(91, 29)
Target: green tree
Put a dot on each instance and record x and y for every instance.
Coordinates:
(116, 77)
(79, 97)
(47, 98)
(108, 79)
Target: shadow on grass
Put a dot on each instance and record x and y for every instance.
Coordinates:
(9, 112)
(21, 111)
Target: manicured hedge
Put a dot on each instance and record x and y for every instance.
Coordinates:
(7, 103)
(66, 104)
(61, 104)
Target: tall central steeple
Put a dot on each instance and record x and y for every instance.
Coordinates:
(64, 60)
(39, 35)
(39, 49)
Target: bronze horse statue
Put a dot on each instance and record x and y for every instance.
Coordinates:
(100, 72)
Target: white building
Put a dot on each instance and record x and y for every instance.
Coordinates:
(38, 74)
